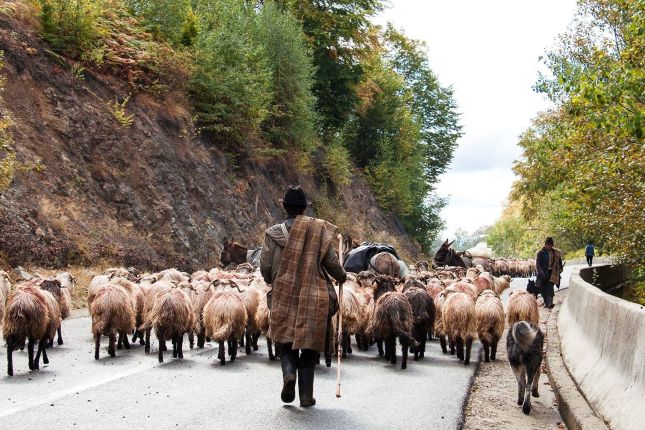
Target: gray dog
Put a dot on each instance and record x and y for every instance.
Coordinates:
(524, 346)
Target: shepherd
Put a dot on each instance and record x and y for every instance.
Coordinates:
(298, 260)
(548, 262)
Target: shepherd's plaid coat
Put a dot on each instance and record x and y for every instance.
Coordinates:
(300, 297)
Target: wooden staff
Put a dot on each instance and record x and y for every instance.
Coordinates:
(340, 318)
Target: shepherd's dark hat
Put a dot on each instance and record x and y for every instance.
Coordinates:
(548, 241)
(295, 196)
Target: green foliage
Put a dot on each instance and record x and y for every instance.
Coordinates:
(585, 160)
(231, 85)
(119, 113)
(72, 26)
(173, 20)
(7, 154)
(336, 165)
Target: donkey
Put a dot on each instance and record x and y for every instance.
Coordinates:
(524, 343)
(446, 256)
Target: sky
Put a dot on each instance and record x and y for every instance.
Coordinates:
(488, 51)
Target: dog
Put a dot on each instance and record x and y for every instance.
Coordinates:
(524, 343)
(533, 288)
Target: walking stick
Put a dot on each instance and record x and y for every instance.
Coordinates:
(340, 319)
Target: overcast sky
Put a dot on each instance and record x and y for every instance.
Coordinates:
(489, 52)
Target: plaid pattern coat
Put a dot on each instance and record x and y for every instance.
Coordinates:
(300, 298)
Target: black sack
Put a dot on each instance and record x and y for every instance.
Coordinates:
(359, 258)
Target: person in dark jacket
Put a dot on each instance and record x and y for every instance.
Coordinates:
(299, 259)
(590, 251)
(549, 267)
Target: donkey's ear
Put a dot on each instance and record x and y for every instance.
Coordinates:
(450, 243)
(446, 242)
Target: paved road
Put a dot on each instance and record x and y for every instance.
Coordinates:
(74, 391)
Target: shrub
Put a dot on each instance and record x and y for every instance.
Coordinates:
(336, 165)
(7, 154)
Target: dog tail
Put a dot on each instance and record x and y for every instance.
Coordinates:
(524, 334)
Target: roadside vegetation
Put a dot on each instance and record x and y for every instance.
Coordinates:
(581, 176)
(315, 79)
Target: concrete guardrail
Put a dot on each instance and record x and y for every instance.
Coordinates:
(603, 346)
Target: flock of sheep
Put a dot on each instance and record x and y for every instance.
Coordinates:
(230, 308)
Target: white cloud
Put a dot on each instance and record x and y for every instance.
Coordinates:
(489, 52)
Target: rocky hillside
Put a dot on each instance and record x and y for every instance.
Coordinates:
(89, 187)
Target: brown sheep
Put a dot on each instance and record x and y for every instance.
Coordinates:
(262, 319)
(501, 284)
(5, 288)
(112, 313)
(26, 318)
(460, 323)
(225, 319)
(251, 299)
(171, 317)
(352, 310)
(424, 315)
(465, 286)
(149, 296)
(522, 306)
(137, 299)
(392, 318)
(63, 301)
(490, 322)
(439, 331)
(484, 281)
(203, 293)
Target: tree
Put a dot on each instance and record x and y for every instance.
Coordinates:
(586, 157)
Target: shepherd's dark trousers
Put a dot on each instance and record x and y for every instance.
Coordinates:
(589, 260)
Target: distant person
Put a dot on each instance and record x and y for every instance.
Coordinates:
(590, 251)
(549, 267)
(298, 259)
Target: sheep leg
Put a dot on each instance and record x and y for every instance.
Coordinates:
(404, 352)
(174, 346)
(126, 342)
(60, 335)
(451, 344)
(379, 346)
(201, 339)
(221, 354)
(10, 357)
(270, 348)
(233, 352)
(119, 344)
(191, 339)
(415, 349)
(442, 341)
(242, 338)
(41, 343)
(493, 347)
(147, 348)
(536, 383)
(486, 350)
(348, 343)
(469, 345)
(97, 345)
(460, 347)
(135, 335)
(111, 350)
(160, 336)
(45, 358)
(424, 337)
(256, 337)
(249, 342)
(30, 353)
(180, 342)
(392, 343)
(141, 338)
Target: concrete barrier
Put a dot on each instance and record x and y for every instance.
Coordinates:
(603, 346)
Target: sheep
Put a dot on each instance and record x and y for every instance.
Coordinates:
(5, 288)
(501, 284)
(137, 299)
(472, 273)
(524, 342)
(200, 275)
(150, 294)
(96, 282)
(392, 318)
(483, 281)
(262, 319)
(352, 311)
(63, 300)
(464, 286)
(112, 312)
(119, 272)
(423, 311)
(225, 319)
(251, 300)
(26, 318)
(53, 309)
(172, 275)
(434, 287)
(522, 306)
(490, 322)
(460, 323)
(203, 293)
(171, 316)
(439, 331)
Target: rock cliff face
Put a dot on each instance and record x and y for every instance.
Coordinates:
(153, 194)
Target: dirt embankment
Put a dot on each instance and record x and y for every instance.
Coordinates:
(90, 189)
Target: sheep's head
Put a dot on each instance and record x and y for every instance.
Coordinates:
(384, 284)
(53, 286)
(413, 283)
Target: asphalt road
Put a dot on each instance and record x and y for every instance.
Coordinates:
(134, 390)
